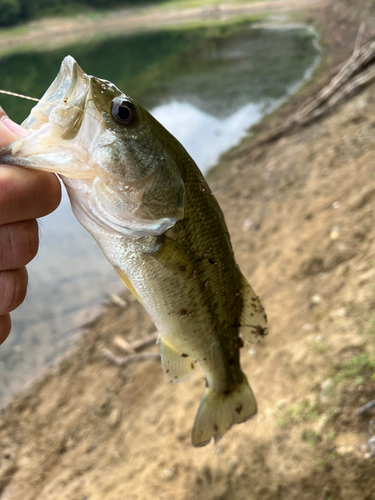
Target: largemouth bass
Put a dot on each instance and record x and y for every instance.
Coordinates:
(137, 191)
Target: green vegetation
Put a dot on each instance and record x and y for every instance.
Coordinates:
(185, 4)
(301, 412)
(311, 437)
(356, 368)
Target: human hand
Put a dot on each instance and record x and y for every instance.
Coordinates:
(25, 195)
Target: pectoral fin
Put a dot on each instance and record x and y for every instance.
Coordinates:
(173, 255)
(177, 366)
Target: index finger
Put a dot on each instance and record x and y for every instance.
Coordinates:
(6, 135)
(9, 130)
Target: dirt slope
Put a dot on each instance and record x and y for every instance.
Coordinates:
(301, 215)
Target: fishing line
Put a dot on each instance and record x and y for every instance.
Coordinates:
(14, 94)
(7, 92)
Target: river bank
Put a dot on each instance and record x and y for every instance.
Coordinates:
(62, 31)
(300, 213)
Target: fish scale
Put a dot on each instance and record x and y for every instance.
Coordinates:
(137, 191)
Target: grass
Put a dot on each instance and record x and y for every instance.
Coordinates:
(320, 347)
(311, 437)
(304, 411)
(186, 4)
(218, 23)
(356, 369)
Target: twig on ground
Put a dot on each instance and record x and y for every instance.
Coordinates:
(131, 348)
(145, 341)
(138, 345)
(366, 407)
(132, 358)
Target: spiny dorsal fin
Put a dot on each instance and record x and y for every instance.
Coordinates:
(177, 366)
(253, 319)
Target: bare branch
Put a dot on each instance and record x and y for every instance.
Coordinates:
(132, 358)
(145, 341)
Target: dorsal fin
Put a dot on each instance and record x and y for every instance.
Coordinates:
(253, 321)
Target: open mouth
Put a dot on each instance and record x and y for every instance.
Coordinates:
(69, 89)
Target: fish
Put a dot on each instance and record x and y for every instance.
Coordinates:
(137, 191)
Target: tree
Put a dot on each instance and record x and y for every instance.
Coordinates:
(10, 11)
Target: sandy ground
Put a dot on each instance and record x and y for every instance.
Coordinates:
(301, 215)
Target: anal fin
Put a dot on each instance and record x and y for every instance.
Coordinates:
(177, 366)
(253, 321)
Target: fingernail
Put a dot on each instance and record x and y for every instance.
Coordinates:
(2, 114)
(11, 125)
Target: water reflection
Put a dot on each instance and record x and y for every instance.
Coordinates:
(206, 88)
(204, 136)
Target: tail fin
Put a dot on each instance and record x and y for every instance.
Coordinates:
(217, 413)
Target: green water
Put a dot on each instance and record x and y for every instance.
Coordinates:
(217, 70)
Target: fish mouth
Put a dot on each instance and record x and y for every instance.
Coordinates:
(68, 90)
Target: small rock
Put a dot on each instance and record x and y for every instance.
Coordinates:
(335, 233)
(316, 299)
(280, 404)
(114, 417)
(341, 312)
(319, 338)
(218, 449)
(247, 224)
(336, 205)
(308, 327)
(344, 450)
(326, 392)
(169, 473)
(251, 352)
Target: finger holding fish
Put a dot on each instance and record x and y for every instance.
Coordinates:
(24, 196)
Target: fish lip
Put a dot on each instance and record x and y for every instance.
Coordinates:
(62, 91)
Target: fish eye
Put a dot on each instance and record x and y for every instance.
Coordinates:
(124, 112)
